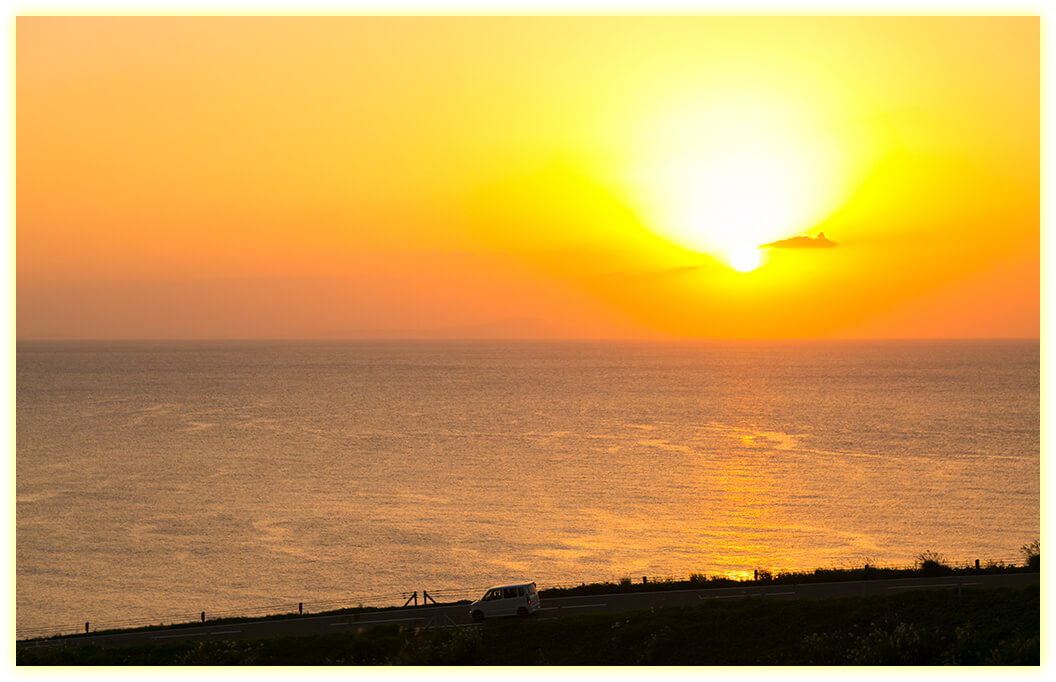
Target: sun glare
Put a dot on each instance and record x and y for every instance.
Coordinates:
(727, 175)
(744, 259)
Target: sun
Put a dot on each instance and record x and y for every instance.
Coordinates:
(744, 188)
(725, 175)
(744, 259)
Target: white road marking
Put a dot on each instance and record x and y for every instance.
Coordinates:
(373, 622)
(583, 606)
(218, 632)
(916, 587)
(746, 594)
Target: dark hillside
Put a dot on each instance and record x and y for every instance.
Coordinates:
(936, 627)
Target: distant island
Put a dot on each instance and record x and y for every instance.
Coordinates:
(802, 242)
(507, 328)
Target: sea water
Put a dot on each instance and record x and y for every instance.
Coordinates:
(158, 480)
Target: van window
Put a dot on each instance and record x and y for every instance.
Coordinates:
(531, 589)
(520, 591)
(509, 593)
(493, 594)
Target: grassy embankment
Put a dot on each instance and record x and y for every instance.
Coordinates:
(928, 564)
(934, 627)
(976, 627)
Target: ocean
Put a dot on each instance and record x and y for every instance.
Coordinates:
(157, 480)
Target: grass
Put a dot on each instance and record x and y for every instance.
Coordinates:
(927, 564)
(933, 627)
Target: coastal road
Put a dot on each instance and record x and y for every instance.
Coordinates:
(458, 616)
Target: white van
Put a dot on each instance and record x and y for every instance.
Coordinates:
(520, 599)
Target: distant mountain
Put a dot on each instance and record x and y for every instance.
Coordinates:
(802, 242)
(507, 328)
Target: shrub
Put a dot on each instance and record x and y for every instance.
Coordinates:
(932, 563)
(902, 644)
(1032, 553)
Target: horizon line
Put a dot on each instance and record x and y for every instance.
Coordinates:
(651, 339)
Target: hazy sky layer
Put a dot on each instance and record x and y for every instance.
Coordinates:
(583, 177)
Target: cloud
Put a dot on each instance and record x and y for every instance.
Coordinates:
(802, 242)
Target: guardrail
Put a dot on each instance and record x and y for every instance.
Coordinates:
(276, 608)
(397, 599)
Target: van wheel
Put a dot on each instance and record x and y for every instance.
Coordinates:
(522, 612)
(478, 616)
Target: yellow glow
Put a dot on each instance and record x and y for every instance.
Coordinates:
(473, 170)
(740, 576)
(725, 175)
(744, 259)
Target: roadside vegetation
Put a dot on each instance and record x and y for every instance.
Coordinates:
(926, 564)
(932, 627)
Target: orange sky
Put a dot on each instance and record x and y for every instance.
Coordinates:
(583, 177)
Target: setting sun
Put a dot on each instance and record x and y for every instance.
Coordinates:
(724, 175)
(744, 259)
